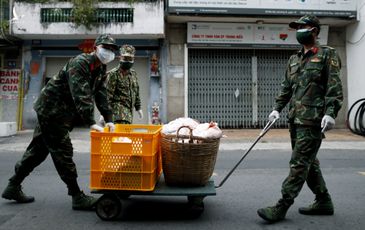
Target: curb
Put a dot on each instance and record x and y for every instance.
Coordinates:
(336, 145)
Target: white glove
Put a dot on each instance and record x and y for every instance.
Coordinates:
(327, 123)
(274, 115)
(111, 126)
(101, 120)
(140, 113)
(97, 128)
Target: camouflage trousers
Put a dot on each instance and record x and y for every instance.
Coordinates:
(50, 137)
(304, 165)
(122, 115)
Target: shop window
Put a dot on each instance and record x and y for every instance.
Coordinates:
(11, 64)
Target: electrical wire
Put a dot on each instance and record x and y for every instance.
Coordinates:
(358, 126)
(363, 35)
(359, 40)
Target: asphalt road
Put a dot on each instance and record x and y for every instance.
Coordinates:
(255, 184)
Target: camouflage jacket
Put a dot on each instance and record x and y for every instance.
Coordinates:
(312, 86)
(70, 94)
(123, 94)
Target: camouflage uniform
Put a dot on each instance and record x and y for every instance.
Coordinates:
(67, 97)
(312, 87)
(123, 91)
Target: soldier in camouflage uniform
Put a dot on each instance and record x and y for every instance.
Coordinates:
(123, 88)
(313, 89)
(67, 97)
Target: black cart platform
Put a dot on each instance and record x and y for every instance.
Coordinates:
(109, 206)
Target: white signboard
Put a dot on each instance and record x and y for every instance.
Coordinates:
(336, 8)
(231, 33)
(245, 33)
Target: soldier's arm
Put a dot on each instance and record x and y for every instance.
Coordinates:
(101, 101)
(137, 103)
(80, 88)
(334, 95)
(110, 85)
(286, 91)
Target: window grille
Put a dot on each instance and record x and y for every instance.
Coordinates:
(103, 15)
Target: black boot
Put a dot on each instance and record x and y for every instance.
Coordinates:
(81, 201)
(322, 206)
(14, 192)
(275, 213)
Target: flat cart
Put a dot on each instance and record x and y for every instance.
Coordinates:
(109, 205)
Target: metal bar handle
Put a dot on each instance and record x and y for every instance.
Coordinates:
(262, 133)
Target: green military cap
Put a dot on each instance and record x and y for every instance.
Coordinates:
(306, 20)
(106, 39)
(127, 51)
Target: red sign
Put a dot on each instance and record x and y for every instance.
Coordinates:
(87, 46)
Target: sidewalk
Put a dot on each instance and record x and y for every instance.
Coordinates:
(282, 135)
(279, 139)
(235, 139)
(240, 135)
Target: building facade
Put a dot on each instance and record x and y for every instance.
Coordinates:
(10, 48)
(228, 58)
(50, 38)
(210, 60)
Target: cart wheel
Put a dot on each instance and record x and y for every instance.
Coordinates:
(197, 200)
(196, 205)
(124, 196)
(108, 207)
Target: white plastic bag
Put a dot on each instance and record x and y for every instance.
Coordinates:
(208, 130)
(173, 126)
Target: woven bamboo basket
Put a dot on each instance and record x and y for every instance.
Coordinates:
(188, 160)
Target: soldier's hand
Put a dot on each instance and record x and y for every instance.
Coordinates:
(97, 128)
(274, 115)
(140, 113)
(111, 126)
(101, 120)
(327, 123)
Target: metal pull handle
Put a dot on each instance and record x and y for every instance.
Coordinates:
(262, 133)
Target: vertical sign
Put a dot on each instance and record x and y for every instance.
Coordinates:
(9, 81)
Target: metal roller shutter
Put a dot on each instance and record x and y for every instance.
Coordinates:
(234, 87)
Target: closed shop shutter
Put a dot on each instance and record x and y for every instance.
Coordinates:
(235, 87)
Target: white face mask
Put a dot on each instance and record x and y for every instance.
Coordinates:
(104, 55)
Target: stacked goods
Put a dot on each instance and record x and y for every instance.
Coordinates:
(189, 151)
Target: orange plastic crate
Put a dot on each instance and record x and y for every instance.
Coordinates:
(128, 159)
(124, 180)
